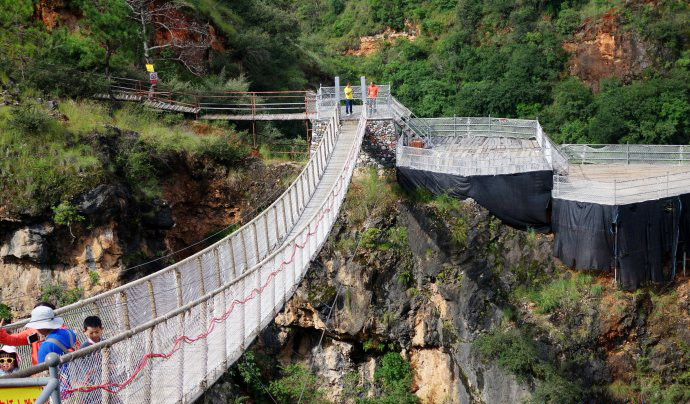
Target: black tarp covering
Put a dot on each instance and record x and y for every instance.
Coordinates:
(644, 236)
(520, 200)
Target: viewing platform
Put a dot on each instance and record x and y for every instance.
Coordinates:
(623, 174)
(479, 146)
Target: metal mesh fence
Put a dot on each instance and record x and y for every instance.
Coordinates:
(621, 192)
(469, 126)
(477, 164)
(168, 335)
(626, 154)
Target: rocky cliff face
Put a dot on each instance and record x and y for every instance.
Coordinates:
(121, 229)
(600, 49)
(465, 299)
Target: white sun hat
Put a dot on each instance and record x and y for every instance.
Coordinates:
(8, 349)
(43, 317)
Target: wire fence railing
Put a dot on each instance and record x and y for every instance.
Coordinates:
(246, 103)
(172, 333)
(626, 154)
(621, 192)
(477, 164)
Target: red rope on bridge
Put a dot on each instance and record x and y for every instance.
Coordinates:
(114, 388)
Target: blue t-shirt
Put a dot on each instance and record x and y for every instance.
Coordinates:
(66, 337)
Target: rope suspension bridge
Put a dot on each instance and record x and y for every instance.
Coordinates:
(172, 334)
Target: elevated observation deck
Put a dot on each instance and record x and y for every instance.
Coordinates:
(623, 174)
(479, 146)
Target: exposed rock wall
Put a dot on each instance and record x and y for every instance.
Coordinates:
(121, 230)
(378, 146)
(600, 49)
(461, 276)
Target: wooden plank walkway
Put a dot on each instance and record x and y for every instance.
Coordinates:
(335, 167)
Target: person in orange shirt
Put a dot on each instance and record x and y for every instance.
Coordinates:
(372, 93)
(29, 336)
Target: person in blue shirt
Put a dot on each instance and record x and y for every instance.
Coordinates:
(55, 338)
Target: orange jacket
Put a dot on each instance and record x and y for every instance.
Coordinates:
(22, 339)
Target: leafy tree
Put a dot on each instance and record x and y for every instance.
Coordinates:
(108, 23)
(66, 214)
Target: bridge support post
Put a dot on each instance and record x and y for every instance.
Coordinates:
(203, 318)
(363, 88)
(223, 308)
(105, 374)
(337, 93)
(180, 332)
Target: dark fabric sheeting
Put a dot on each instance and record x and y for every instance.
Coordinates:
(583, 234)
(684, 233)
(520, 200)
(648, 232)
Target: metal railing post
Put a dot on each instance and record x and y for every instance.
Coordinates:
(203, 318)
(105, 374)
(256, 241)
(363, 89)
(337, 93)
(180, 331)
(53, 360)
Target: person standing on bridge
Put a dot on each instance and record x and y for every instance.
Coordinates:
(29, 336)
(372, 93)
(56, 338)
(348, 99)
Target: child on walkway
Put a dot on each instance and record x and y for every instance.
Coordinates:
(93, 329)
(8, 360)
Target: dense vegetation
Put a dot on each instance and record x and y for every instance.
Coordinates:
(469, 58)
(505, 58)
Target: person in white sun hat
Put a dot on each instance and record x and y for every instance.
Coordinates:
(57, 339)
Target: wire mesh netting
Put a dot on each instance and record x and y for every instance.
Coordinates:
(168, 335)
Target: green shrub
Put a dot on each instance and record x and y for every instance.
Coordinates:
(446, 204)
(66, 214)
(5, 313)
(394, 374)
(223, 150)
(511, 349)
(294, 379)
(370, 238)
(94, 278)
(561, 292)
(57, 294)
(30, 119)
(458, 231)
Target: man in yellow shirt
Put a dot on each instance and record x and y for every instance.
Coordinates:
(348, 99)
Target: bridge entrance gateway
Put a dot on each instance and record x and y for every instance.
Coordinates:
(173, 333)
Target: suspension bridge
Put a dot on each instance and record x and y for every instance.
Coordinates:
(172, 334)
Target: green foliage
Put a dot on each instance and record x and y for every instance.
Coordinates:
(369, 238)
(369, 196)
(5, 313)
(40, 170)
(30, 119)
(94, 278)
(561, 292)
(446, 204)
(405, 278)
(59, 295)
(66, 214)
(514, 351)
(289, 387)
(394, 375)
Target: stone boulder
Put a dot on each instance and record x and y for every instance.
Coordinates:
(27, 243)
